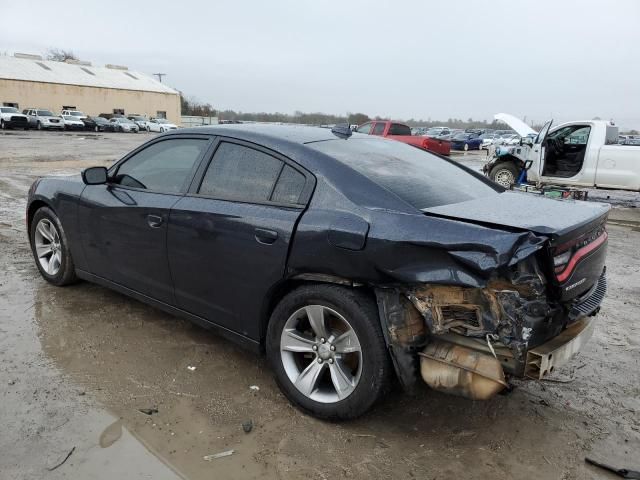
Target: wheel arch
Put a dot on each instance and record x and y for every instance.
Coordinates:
(280, 290)
(34, 206)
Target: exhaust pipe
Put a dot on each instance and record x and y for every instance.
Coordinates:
(461, 371)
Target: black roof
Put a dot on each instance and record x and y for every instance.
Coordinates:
(252, 131)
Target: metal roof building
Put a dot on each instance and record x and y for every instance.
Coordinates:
(29, 81)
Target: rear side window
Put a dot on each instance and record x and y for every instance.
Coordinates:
(244, 174)
(419, 178)
(366, 128)
(399, 129)
(163, 166)
(378, 129)
(240, 173)
(289, 187)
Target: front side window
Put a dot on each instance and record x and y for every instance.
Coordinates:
(163, 166)
(366, 128)
(378, 129)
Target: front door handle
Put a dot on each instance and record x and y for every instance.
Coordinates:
(154, 221)
(266, 236)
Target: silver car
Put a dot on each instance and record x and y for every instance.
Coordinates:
(41, 118)
(123, 124)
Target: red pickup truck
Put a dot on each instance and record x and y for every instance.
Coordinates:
(402, 133)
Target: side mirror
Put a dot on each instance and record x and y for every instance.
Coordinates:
(95, 176)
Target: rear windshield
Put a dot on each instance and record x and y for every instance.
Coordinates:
(417, 177)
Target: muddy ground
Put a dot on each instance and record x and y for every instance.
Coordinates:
(77, 364)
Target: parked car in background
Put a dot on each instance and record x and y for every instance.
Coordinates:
(466, 141)
(98, 124)
(576, 154)
(43, 119)
(139, 120)
(123, 124)
(73, 113)
(160, 125)
(365, 260)
(487, 140)
(72, 122)
(438, 132)
(510, 140)
(402, 133)
(633, 140)
(10, 117)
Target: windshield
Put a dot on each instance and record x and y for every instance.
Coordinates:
(8, 110)
(45, 113)
(161, 120)
(124, 120)
(140, 119)
(461, 136)
(76, 113)
(100, 120)
(417, 177)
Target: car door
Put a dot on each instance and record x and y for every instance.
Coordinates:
(229, 237)
(124, 232)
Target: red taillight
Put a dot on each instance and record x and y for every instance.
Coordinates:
(564, 270)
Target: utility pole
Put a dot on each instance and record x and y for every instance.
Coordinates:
(159, 75)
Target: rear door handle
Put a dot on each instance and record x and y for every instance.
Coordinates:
(154, 221)
(266, 236)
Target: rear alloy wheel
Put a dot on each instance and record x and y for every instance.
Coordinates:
(50, 248)
(326, 347)
(504, 174)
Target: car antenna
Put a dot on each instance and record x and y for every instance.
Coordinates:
(342, 130)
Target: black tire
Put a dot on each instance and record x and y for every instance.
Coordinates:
(66, 274)
(362, 314)
(2, 125)
(96, 128)
(39, 126)
(501, 172)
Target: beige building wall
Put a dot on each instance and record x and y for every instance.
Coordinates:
(90, 100)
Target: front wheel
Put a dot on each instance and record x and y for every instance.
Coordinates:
(504, 174)
(39, 126)
(2, 125)
(326, 347)
(466, 147)
(51, 249)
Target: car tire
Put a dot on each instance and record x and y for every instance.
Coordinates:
(2, 125)
(148, 129)
(505, 174)
(161, 130)
(359, 362)
(50, 248)
(466, 147)
(96, 129)
(39, 126)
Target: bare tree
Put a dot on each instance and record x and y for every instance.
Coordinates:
(60, 55)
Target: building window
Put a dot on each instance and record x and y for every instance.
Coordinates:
(118, 111)
(10, 104)
(160, 114)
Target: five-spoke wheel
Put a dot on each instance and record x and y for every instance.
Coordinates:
(47, 245)
(326, 348)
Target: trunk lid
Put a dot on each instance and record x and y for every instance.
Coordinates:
(575, 254)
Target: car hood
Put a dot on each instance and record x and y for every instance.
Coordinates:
(525, 211)
(516, 124)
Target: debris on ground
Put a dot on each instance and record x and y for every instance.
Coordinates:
(255, 388)
(191, 368)
(247, 426)
(226, 453)
(148, 411)
(621, 472)
(63, 460)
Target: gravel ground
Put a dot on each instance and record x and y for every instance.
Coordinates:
(77, 364)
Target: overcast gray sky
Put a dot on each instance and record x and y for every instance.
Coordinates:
(561, 58)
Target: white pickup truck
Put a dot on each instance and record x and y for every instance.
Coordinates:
(580, 154)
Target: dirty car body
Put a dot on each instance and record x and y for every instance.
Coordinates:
(470, 282)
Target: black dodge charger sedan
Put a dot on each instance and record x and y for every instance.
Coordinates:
(352, 261)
